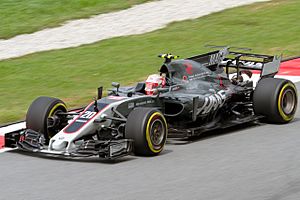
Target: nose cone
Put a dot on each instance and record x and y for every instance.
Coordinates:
(59, 145)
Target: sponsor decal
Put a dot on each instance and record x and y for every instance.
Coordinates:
(198, 76)
(252, 64)
(131, 105)
(136, 104)
(215, 58)
(174, 88)
(212, 102)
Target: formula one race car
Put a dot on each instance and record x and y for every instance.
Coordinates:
(187, 97)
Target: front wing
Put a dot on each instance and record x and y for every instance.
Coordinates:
(31, 141)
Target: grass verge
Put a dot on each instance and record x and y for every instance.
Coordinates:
(27, 16)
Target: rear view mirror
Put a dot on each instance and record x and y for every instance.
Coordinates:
(115, 84)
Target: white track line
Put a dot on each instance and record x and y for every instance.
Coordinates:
(12, 128)
(136, 20)
(6, 149)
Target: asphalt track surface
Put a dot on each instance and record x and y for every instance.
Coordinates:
(255, 161)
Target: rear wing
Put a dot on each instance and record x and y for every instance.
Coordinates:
(211, 58)
(266, 64)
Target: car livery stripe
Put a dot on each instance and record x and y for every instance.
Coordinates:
(80, 122)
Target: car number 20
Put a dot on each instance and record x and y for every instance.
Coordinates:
(88, 114)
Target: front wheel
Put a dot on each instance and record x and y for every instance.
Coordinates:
(39, 112)
(276, 99)
(148, 128)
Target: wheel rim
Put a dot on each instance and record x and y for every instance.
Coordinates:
(288, 101)
(157, 131)
(53, 128)
(51, 131)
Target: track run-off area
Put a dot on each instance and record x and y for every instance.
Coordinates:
(139, 19)
(252, 161)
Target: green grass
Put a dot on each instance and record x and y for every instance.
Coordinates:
(27, 16)
(74, 74)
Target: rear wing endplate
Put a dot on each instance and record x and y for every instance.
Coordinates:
(266, 64)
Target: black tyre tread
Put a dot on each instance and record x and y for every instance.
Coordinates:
(265, 99)
(135, 129)
(37, 114)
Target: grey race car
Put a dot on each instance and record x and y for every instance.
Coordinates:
(188, 97)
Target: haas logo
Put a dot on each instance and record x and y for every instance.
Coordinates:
(215, 58)
(213, 102)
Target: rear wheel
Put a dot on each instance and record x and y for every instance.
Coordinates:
(41, 116)
(276, 99)
(148, 128)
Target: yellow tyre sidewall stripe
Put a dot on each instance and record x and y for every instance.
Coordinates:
(282, 114)
(53, 109)
(150, 145)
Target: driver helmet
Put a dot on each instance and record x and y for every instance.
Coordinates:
(153, 82)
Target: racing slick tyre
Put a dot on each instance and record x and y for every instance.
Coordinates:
(276, 99)
(38, 113)
(148, 128)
